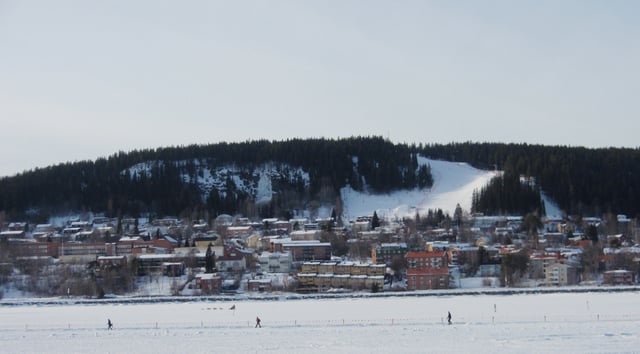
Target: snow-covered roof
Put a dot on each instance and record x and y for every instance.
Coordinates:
(11, 233)
(130, 239)
(207, 276)
(107, 258)
(157, 256)
(305, 243)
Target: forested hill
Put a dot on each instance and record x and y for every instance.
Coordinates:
(217, 178)
(201, 180)
(582, 181)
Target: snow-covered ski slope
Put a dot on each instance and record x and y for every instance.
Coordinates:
(531, 323)
(454, 183)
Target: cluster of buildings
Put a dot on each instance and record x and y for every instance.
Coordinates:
(247, 252)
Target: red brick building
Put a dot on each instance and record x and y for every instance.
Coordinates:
(427, 270)
(209, 283)
(618, 277)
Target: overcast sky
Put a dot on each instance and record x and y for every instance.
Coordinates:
(85, 79)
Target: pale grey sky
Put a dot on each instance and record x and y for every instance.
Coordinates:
(85, 79)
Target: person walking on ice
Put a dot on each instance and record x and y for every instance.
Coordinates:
(258, 323)
(449, 317)
(109, 324)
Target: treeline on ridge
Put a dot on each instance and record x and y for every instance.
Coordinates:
(107, 185)
(582, 181)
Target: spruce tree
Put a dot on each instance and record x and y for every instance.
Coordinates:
(209, 259)
(375, 221)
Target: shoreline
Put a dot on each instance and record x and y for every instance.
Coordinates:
(125, 300)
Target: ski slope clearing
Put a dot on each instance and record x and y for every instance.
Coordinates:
(454, 183)
(534, 323)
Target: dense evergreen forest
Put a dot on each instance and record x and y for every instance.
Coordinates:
(582, 181)
(108, 185)
(508, 194)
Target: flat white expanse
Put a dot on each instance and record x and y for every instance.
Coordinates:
(584, 322)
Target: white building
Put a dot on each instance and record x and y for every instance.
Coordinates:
(276, 262)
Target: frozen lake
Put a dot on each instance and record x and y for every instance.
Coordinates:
(565, 322)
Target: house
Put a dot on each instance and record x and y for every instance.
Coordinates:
(173, 269)
(111, 261)
(316, 276)
(311, 226)
(560, 274)
(327, 267)
(427, 270)
(12, 234)
(200, 226)
(155, 263)
(18, 226)
(359, 226)
(209, 283)
(283, 225)
(555, 239)
(371, 235)
(39, 249)
(310, 267)
(307, 282)
(239, 231)
(384, 253)
(45, 228)
(310, 235)
(232, 260)
(261, 285)
(203, 241)
(302, 250)
(136, 245)
(298, 224)
(86, 249)
(83, 225)
(253, 242)
(166, 222)
(277, 262)
(539, 263)
(618, 277)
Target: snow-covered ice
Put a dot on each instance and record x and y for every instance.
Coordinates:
(532, 323)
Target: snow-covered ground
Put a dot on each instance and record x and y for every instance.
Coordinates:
(565, 322)
(454, 183)
(551, 208)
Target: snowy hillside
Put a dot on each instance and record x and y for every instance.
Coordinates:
(454, 183)
(256, 182)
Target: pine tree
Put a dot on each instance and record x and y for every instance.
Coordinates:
(531, 224)
(457, 215)
(119, 226)
(375, 221)
(210, 260)
(135, 227)
(591, 233)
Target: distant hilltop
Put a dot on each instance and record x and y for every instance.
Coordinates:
(321, 177)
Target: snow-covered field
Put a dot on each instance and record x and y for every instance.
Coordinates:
(562, 322)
